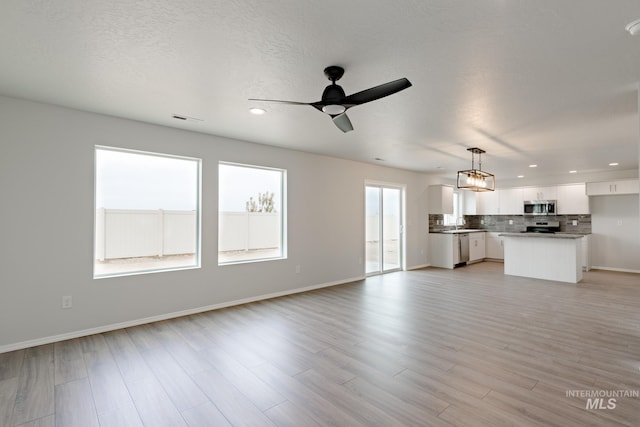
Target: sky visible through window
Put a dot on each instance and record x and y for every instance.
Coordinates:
(238, 183)
(127, 180)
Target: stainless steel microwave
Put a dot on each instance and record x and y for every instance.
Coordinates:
(540, 207)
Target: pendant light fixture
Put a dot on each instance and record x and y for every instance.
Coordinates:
(476, 179)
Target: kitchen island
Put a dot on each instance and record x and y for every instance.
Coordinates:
(543, 256)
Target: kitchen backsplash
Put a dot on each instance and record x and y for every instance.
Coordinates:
(511, 223)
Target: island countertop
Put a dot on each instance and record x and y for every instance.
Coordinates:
(460, 231)
(544, 235)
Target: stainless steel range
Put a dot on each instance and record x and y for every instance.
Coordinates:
(541, 226)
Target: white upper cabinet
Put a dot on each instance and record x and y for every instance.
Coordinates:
(510, 201)
(440, 199)
(625, 186)
(487, 203)
(572, 199)
(468, 199)
(540, 193)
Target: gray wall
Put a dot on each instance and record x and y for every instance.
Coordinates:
(46, 184)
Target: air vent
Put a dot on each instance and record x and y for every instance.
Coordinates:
(186, 118)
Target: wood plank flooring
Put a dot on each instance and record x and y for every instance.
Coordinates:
(432, 347)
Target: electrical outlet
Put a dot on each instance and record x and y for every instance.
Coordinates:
(574, 222)
(67, 301)
(297, 269)
(482, 221)
(510, 222)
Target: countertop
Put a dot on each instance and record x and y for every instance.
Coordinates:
(462, 230)
(544, 235)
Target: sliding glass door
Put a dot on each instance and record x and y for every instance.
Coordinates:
(384, 229)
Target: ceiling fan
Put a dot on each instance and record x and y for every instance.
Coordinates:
(335, 103)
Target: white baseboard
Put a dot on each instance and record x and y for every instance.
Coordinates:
(160, 317)
(418, 267)
(621, 270)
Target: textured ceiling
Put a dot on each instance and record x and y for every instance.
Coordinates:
(533, 81)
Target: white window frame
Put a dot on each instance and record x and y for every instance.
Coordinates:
(198, 214)
(281, 209)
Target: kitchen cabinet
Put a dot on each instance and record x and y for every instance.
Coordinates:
(494, 246)
(443, 250)
(476, 246)
(625, 186)
(543, 256)
(487, 203)
(468, 199)
(572, 200)
(510, 201)
(539, 193)
(440, 199)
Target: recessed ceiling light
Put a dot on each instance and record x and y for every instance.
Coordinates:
(533, 166)
(633, 27)
(520, 176)
(614, 164)
(573, 171)
(257, 111)
(380, 159)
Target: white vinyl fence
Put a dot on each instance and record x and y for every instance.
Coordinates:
(248, 230)
(390, 225)
(125, 233)
(122, 233)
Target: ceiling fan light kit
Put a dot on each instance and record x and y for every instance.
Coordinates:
(476, 179)
(335, 102)
(333, 109)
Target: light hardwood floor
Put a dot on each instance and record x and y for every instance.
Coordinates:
(469, 347)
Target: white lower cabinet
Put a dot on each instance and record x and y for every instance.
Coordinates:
(494, 246)
(443, 250)
(476, 246)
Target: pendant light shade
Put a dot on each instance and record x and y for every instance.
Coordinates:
(476, 179)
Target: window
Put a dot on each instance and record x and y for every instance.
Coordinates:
(251, 213)
(453, 218)
(147, 216)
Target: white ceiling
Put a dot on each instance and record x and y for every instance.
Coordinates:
(531, 81)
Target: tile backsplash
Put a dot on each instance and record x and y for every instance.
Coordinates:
(511, 223)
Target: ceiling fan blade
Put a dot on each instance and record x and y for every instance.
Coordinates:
(378, 92)
(280, 102)
(343, 122)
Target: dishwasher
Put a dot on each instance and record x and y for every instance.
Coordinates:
(463, 247)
